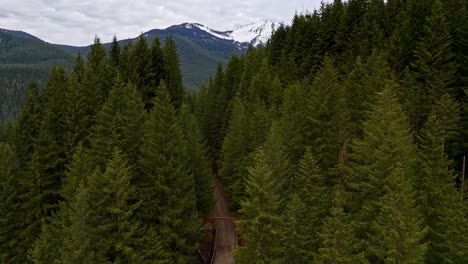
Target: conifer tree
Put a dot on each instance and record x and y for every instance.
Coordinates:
(293, 120)
(156, 72)
(398, 231)
(118, 124)
(51, 145)
(118, 226)
(173, 75)
(199, 162)
(10, 251)
(79, 68)
(76, 118)
(326, 116)
(339, 244)
(139, 61)
(114, 53)
(28, 124)
(166, 184)
(386, 142)
(433, 68)
(97, 81)
(276, 157)
(447, 224)
(260, 215)
(77, 246)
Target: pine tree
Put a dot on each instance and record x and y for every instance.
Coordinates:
(76, 118)
(386, 142)
(199, 162)
(77, 246)
(114, 53)
(276, 157)
(447, 224)
(97, 81)
(260, 214)
(28, 124)
(433, 68)
(156, 72)
(79, 68)
(293, 120)
(118, 227)
(10, 251)
(139, 61)
(118, 124)
(326, 116)
(339, 244)
(173, 75)
(397, 232)
(50, 142)
(166, 185)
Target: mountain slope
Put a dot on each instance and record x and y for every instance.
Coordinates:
(24, 57)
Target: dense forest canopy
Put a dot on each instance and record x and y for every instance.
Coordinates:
(340, 141)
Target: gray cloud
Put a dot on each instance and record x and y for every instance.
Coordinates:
(77, 22)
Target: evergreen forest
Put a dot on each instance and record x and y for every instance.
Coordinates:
(342, 140)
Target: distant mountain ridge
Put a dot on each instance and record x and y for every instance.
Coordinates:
(201, 48)
(25, 57)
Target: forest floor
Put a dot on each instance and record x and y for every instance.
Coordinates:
(225, 229)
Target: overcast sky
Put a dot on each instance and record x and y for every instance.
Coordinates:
(75, 22)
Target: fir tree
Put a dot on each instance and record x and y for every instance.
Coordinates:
(199, 162)
(261, 220)
(397, 233)
(10, 251)
(443, 211)
(339, 244)
(28, 124)
(166, 185)
(173, 75)
(386, 142)
(433, 68)
(118, 124)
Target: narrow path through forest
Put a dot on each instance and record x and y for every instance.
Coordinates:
(225, 229)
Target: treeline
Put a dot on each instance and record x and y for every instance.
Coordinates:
(342, 140)
(107, 165)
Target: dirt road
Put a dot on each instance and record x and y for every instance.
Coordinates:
(225, 229)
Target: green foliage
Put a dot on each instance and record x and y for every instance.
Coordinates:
(339, 244)
(261, 220)
(172, 73)
(398, 230)
(386, 142)
(166, 183)
(118, 124)
(9, 206)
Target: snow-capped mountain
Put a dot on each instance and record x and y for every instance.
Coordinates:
(253, 34)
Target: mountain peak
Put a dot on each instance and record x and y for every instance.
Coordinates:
(254, 33)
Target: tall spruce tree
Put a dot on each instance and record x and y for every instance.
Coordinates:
(118, 124)
(260, 214)
(173, 75)
(442, 208)
(386, 142)
(166, 184)
(397, 233)
(338, 242)
(10, 203)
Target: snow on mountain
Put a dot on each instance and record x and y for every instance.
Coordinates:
(253, 34)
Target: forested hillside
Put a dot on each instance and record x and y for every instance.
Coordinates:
(341, 141)
(107, 165)
(23, 58)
